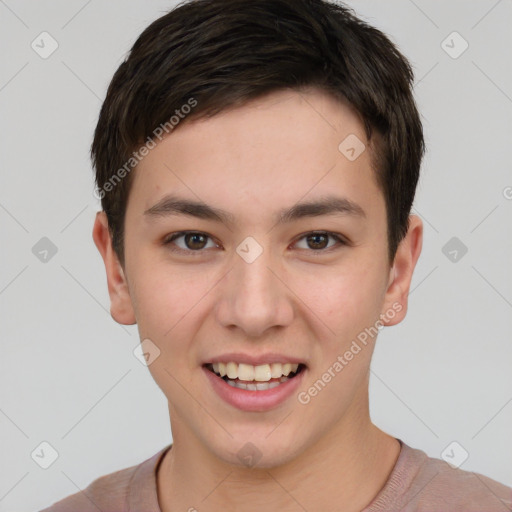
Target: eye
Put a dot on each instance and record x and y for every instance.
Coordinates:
(318, 240)
(194, 241)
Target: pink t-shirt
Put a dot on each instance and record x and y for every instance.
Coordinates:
(417, 483)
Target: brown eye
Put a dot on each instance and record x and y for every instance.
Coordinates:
(318, 241)
(192, 241)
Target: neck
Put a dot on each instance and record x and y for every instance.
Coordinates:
(351, 465)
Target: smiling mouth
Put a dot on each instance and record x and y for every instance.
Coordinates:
(255, 378)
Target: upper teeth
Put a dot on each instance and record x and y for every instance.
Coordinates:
(260, 373)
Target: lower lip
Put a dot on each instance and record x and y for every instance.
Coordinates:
(255, 401)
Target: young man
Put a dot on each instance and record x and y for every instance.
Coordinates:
(256, 163)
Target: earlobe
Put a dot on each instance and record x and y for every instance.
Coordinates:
(406, 257)
(121, 307)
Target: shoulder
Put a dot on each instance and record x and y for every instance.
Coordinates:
(419, 483)
(106, 491)
(436, 485)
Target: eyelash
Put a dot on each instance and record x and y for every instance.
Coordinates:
(174, 236)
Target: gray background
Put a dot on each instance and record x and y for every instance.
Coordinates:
(68, 373)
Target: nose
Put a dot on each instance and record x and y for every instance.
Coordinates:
(255, 297)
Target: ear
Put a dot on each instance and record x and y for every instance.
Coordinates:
(121, 307)
(407, 254)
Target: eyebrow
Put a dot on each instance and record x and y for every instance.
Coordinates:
(171, 205)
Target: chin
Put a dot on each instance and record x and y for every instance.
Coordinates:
(257, 451)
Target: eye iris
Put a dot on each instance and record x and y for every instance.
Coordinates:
(316, 236)
(195, 237)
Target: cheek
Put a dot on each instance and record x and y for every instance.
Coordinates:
(346, 298)
(164, 309)
(348, 302)
(163, 297)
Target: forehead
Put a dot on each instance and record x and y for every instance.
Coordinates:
(273, 150)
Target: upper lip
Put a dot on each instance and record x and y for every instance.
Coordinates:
(255, 360)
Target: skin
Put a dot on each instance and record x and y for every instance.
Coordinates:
(293, 299)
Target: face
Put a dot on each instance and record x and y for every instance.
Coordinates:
(253, 278)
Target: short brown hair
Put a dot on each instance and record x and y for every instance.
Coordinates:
(223, 53)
